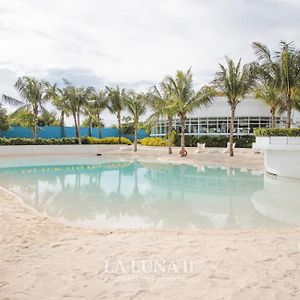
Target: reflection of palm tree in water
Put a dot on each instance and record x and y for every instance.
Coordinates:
(76, 193)
(231, 219)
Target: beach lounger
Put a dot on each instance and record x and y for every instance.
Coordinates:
(200, 148)
(125, 148)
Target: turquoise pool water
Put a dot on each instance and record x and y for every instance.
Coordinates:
(110, 193)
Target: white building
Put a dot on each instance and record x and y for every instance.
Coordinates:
(215, 119)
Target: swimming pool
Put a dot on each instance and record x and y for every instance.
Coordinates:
(114, 193)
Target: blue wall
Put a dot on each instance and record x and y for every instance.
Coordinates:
(48, 132)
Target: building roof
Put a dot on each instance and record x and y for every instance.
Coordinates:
(220, 108)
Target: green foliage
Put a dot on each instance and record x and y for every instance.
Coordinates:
(95, 123)
(219, 141)
(153, 141)
(277, 132)
(48, 119)
(63, 141)
(127, 126)
(4, 124)
(107, 140)
(26, 141)
(24, 118)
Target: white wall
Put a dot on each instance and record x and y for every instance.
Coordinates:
(282, 155)
(56, 149)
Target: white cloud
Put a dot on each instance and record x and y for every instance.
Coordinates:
(136, 42)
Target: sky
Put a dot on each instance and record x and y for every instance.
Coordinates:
(135, 43)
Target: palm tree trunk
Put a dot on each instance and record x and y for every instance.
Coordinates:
(99, 126)
(91, 128)
(273, 117)
(182, 121)
(62, 119)
(119, 126)
(289, 112)
(170, 134)
(75, 123)
(231, 130)
(135, 137)
(35, 129)
(62, 123)
(78, 128)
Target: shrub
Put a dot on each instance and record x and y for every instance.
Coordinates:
(63, 141)
(219, 141)
(107, 140)
(277, 132)
(153, 141)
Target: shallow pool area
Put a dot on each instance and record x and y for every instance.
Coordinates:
(103, 192)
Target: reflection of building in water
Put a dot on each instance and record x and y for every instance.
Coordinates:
(141, 195)
(207, 180)
(279, 200)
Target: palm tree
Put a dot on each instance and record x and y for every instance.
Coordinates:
(4, 124)
(75, 99)
(34, 94)
(267, 83)
(98, 103)
(163, 105)
(115, 104)
(57, 96)
(88, 110)
(289, 58)
(235, 82)
(186, 99)
(271, 97)
(70, 96)
(284, 68)
(136, 105)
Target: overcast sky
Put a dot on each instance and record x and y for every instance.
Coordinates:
(135, 43)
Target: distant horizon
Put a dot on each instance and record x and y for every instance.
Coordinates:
(135, 46)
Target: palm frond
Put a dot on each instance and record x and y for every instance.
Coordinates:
(26, 107)
(11, 100)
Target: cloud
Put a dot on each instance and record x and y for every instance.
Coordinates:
(136, 43)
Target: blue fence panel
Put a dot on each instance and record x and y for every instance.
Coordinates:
(49, 132)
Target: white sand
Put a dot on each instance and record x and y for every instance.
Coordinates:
(42, 259)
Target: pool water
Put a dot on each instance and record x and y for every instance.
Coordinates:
(111, 193)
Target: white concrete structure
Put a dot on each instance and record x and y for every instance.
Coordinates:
(282, 155)
(272, 200)
(56, 149)
(215, 119)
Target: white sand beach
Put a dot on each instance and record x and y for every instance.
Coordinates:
(43, 259)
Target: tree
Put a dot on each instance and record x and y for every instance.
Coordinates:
(289, 58)
(95, 122)
(127, 125)
(136, 105)
(75, 99)
(185, 99)
(271, 97)
(163, 105)
(115, 104)
(35, 94)
(26, 119)
(4, 124)
(235, 82)
(94, 106)
(57, 96)
(23, 119)
(284, 68)
(267, 83)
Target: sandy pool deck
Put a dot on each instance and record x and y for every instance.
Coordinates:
(42, 259)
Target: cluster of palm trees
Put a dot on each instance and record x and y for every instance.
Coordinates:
(273, 78)
(76, 101)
